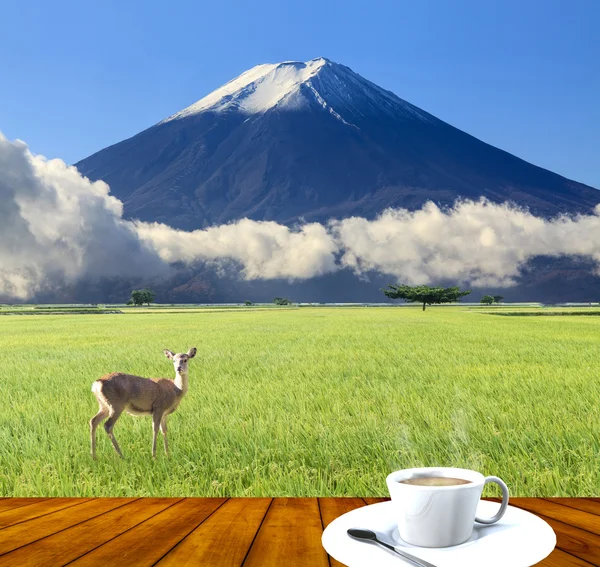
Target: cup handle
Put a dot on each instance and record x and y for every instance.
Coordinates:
(504, 504)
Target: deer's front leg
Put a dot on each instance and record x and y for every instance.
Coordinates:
(156, 419)
(163, 429)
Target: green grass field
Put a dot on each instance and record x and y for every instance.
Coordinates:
(304, 402)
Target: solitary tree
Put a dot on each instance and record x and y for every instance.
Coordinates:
(141, 296)
(487, 299)
(247, 303)
(425, 294)
(282, 301)
(498, 298)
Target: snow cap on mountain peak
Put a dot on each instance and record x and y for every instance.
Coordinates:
(257, 89)
(291, 85)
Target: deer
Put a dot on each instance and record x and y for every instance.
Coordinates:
(158, 397)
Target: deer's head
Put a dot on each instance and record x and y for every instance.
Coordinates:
(180, 360)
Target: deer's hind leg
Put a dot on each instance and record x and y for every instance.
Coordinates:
(94, 422)
(115, 412)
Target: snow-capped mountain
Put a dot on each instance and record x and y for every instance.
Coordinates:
(312, 141)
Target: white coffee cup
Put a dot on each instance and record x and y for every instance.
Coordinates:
(440, 516)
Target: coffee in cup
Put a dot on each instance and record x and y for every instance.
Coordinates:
(437, 506)
(434, 481)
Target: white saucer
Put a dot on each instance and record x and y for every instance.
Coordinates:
(519, 539)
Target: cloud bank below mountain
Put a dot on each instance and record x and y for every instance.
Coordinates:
(478, 243)
(57, 228)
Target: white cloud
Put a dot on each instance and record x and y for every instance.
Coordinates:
(479, 243)
(266, 250)
(56, 227)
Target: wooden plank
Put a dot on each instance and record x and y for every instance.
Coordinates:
(370, 501)
(332, 508)
(585, 504)
(9, 503)
(69, 544)
(559, 558)
(224, 538)
(290, 535)
(24, 513)
(32, 530)
(575, 541)
(150, 540)
(571, 516)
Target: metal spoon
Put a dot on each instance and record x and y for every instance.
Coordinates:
(371, 537)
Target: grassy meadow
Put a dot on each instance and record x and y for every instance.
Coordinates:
(304, 402)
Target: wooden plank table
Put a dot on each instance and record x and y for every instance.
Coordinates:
(228, 532)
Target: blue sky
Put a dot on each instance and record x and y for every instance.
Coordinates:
(521, 75)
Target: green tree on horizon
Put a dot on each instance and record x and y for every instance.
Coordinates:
(141, 296)
(425, 294)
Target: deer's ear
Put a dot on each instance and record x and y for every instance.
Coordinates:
(169, 354)
(192, 352)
